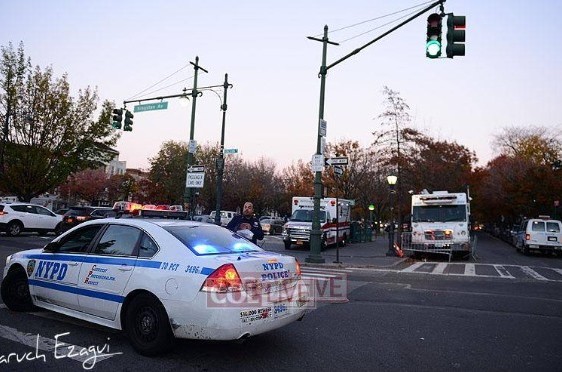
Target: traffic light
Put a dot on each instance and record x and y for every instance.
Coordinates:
(128, 121)
(117, 118)
(455, 35)
(433, 43)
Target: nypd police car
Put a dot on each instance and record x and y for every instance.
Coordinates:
(158, 280)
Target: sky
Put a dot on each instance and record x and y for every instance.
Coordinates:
(510, 76)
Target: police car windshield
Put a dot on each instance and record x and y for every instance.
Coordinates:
(208, 240)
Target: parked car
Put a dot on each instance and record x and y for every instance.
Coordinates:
(542, 234)
(272, 225)
(226, 216)
(203, 218)
(158, 280)
(18, 217)
(77, 215)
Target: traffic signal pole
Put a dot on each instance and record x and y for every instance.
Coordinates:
(316, 234)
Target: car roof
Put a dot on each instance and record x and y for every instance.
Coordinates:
(144, 222)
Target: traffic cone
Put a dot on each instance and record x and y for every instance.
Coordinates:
(398, 250)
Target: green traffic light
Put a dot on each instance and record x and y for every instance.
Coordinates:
(433, 49)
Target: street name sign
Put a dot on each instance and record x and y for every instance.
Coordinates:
(231, 151)
(151, 107)
(339, 161)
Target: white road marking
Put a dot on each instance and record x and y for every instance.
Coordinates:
(440, 268)
(532, 273)
(503, 272)
(412, 268)
(470, 269)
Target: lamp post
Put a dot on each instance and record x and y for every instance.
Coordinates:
(371, 209)
(391, 183)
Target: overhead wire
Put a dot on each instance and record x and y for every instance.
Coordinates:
(159, 82)
(378, 18)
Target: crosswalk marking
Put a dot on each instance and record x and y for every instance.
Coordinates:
(469, 269)
(440, 268)
(503, 272)
(532, 273)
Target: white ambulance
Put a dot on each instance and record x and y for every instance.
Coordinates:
(335, 218)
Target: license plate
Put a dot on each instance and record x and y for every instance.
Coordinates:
(299, 242)
(552, 239)
(439, 245)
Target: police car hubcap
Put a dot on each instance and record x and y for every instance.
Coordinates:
(147, 322)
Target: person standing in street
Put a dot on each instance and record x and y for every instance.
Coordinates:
(247, 221)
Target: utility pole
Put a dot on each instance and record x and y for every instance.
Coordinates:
(220, 160)
(194, 93)
(315, 233)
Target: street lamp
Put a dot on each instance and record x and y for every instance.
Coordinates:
(371, 209)
(391, 183)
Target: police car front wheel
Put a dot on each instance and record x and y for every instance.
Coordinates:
(15, 291)
(148, 326)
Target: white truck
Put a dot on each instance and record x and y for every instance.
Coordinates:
(335, 215)
(440, 224)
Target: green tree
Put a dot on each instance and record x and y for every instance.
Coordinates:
(47, 134)
(168, 171)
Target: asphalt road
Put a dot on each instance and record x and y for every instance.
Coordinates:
(393, 320)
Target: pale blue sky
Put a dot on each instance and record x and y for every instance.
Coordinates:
(511, 74)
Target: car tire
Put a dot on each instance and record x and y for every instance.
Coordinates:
(287, 244)
(525, 250)
(14, 228)
(147, 325)
(343, 242)
(15, 291)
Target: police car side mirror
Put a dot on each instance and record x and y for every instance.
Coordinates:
(51, 247)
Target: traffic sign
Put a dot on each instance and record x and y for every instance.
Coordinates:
(338, 170)
(151, 106)
(323, 127)
(195, 179)
(192, 147)
(339, 160)
(231, 151)
(317, 163)
(196, 168)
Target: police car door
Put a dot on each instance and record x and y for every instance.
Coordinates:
(108, 270)
(53, 277)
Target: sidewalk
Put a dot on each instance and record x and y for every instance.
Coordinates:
(367, 254)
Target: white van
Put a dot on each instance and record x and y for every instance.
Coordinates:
(226, 216)
(540, 234)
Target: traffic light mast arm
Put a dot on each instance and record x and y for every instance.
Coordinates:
(439, 2)
(172, 96)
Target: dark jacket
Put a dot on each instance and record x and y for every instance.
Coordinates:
(234, 225)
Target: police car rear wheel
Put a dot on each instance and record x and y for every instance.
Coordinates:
(147, 325)
(15, 291)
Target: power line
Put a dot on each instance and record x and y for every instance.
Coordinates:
(155, 84)
(376, 28)
(377, 18)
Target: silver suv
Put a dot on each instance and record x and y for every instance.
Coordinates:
(544, 235)
(18, 217)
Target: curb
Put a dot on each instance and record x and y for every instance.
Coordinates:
(351, 265)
